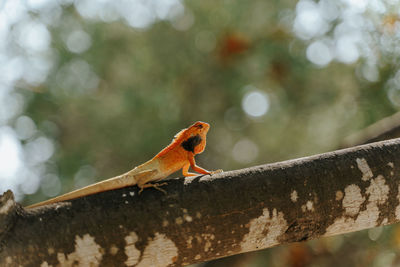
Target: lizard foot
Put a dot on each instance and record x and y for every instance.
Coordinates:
(216, 171)
(156, 186)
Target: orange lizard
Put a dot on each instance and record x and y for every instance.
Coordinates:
(178, 155)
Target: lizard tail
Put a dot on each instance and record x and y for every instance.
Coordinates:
(123, 180)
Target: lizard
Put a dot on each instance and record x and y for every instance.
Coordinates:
(179, 154)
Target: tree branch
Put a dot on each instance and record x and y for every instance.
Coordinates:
(384, 129)
(208, 217)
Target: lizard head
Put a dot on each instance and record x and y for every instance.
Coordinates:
(196, 137)
(200, 127)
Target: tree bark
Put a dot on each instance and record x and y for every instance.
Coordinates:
(208, 217)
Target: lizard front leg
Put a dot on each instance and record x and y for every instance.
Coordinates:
(185, 171)
(198, 169)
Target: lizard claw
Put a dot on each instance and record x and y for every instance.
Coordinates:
(157, 186)
(216, 171)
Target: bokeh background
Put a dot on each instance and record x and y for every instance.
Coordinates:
(90, 89)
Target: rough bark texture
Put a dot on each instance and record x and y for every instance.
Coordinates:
(203, 218)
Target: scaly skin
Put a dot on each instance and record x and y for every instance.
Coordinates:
(177, 155)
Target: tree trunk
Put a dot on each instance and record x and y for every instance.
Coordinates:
(208, 217)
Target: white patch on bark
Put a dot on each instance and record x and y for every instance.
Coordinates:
(310, 205)
(6, 207)
(207, 238)
(339, 195)
(352, 199)
(378, 190)
(397, 212)
(45, 264)
(188, 180)
(207, 246)
(62, 259)
(188, 218)
(264, 231)
(9, 260)
(113, 249)
(303, 208)
(159, 252)
(294, 196)
(189, 242)
(377, 193)
(364, 168)
(131, 251)
(87, 253)
(391, 165)
(198, 238)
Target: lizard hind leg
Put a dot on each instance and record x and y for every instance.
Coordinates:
(155, 185)
(145, 177)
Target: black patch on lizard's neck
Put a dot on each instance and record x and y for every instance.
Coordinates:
(190, 143)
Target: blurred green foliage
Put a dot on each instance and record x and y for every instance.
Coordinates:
(114, 103)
